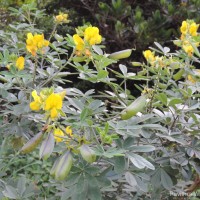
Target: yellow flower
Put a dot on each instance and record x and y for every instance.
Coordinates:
(69, 131)
(20, 63)
(35, 43)
(193, 29)
(184, 27)
(78, 42)
(191, 78)
(37, 103)
(188, 49)
(149, 56)
(189, 27)
(53, 104)
(61, 18)
(58, 134)
(91, 35)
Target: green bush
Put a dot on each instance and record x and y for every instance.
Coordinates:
(58, 142)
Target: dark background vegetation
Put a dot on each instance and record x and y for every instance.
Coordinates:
(123, 23)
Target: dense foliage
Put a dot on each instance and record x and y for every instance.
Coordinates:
(60, 142)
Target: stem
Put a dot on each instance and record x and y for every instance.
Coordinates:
(53, 31)
(52, 77)
(125, 90)
(35, 70)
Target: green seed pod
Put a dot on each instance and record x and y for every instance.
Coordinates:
(162, 85)
(47, 147)
(63, 166)
(178, 75)
(53, 169)
(87, 153)
(137, 106)
(59, 38)
(136, 64)
(32, 143)
(120, 54)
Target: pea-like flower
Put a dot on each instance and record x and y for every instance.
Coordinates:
(188, 49)
(192, 79)
(188, 27)
(69, 131)
(149, 55)
(91, 35)
(184, 27)
(78, 42)
(20, 63)
(49, 102)
(58, 134)
(37, 103)
(35, 43)
(62, 18)
(53, 104)
(193, 29)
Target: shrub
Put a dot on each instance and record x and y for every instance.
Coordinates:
(101, 145)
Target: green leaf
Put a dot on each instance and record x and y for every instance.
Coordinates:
(21, 185)
(10, 192)
(166, 180)
(113, 152)
(97, 49)
(68, 193)
(155, 180)
(76, 103)
(140, 162)
(102, 74)
(123, 69)
(130, 178)
(84, 114)
(142, 148)
(175, 101)
(120, 164)
(93, 188)
(162, 97)
(129, 141)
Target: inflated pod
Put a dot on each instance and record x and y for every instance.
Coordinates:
(53, 169)
(87, 153)
(63, 166)
(137, 106)
(178, 75)
(120, 54)
(32, 143)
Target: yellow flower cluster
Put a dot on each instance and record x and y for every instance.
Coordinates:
(188, 30)
(61, 18)
(59, 134)
(152, 59)
(50, 103)
(53, 104)
(91, 37)
(189, 27)
(35, 43)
